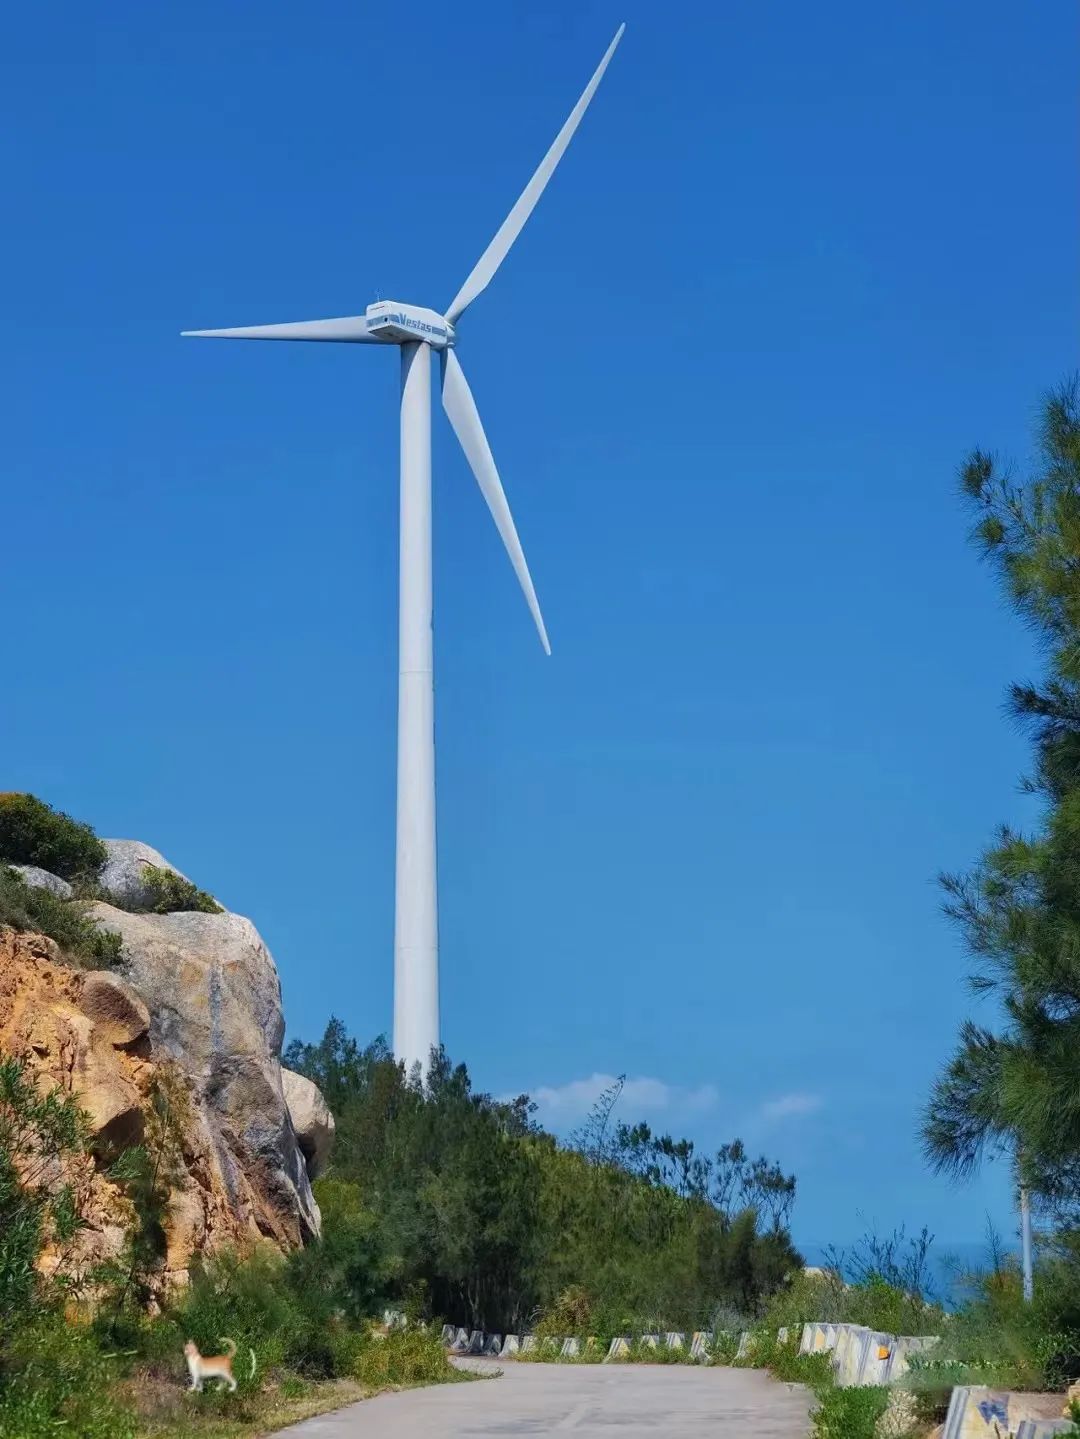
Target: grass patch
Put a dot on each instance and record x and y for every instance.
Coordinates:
(165, 1411)
(28, 909)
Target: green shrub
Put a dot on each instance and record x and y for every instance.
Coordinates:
(349, 1270)
(245, 1300)
(403, 1357)
(31, 832)
(28, 908)
(54, 1379)
(39, 1131)
(826, 1299)
(170, 893)
(849, 1413)
(996, 1338)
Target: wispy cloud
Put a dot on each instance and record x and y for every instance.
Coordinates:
(642, 1097)
(785, 1106)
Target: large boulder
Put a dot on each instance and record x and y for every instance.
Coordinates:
(42, 879)
(123, 875)
(214, 999)
(311, 1118)
(113, 1006)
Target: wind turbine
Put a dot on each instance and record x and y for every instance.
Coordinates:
(417, 332)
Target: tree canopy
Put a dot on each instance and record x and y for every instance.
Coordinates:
(491, 1220)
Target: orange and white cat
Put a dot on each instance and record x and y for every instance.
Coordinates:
(212, 1366)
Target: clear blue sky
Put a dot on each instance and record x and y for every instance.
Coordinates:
(798, 260)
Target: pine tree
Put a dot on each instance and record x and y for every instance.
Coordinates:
(1017, 1087)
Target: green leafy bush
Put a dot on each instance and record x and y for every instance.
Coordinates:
(55, 1379)
(53, 1376)
(849, 1413)
(996, 1338)
(32, 832)
(28, 908)
(170, 893)
(403, 1357)
(247, 1301)
(37, 1132)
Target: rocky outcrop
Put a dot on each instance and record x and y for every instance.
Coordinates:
(311, 1118)
(194, 1010)
(214, 998)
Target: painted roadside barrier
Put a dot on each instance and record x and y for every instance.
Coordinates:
(978, 1412)
(858, 1355)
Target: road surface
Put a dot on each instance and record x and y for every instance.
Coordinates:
(591, 1401)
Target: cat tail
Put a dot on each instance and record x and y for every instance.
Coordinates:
(252, 1374)
(230, 1345)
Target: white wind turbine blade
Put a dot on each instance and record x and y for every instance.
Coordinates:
(461, 411)
(511, 227)
(349, 330)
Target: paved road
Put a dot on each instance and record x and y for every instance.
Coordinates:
(586, 1400)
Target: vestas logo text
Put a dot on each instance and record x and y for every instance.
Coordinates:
(408, 323)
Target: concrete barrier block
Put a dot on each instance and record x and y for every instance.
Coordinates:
(905, 1347)
(701, 1344)
(823, 1338)
(448, 1332)
(529, 1344)
(571, 1348)
(674, 1340)
(959, 1403)
(848, 1354)
(461, 1341)
(743, 1350)
(476, 1342)
(492, 1345)
(510, 1346)
(1043, 1428)
(877, 1352)
(620, 1349)
(806, 1339)
(782, 1335)
(651, 1341)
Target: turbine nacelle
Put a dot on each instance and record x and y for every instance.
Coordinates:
(398, 324)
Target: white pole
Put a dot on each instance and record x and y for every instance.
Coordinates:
(1025, 1243)
(416, 936)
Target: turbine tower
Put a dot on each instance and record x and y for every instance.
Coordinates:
(417, 332)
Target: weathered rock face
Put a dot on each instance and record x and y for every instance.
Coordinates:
(311, 1119)
(214, 999)
(42, 1020)
(196, 1002)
